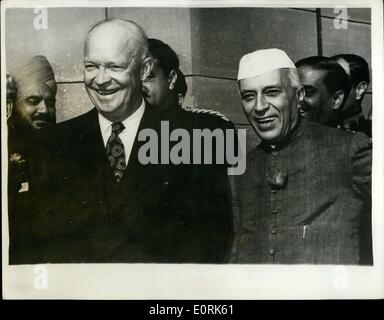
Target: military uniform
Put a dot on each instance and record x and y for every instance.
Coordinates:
(358, 124)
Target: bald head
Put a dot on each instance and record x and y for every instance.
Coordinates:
(115, 64)
(127, 36)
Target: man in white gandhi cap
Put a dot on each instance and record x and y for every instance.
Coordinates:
(305, 197)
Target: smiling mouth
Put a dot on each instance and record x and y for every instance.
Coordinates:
(106, 92)
(265, 120)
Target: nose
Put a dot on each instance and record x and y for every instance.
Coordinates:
(102, 77)
(42, 107)
(261, 105)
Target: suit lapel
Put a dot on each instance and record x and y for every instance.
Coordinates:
(90, 154)
(135, 170)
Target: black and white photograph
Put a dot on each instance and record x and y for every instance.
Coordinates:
(192, 149)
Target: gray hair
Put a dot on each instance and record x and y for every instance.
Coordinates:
(293, 77)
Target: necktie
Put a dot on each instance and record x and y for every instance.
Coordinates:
(115, 151)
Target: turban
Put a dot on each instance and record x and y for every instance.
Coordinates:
(36, 72)
(11, 93)
(262, 61)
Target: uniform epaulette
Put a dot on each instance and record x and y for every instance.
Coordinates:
(205, 111)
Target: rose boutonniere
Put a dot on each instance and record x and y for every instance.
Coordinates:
(278, 180)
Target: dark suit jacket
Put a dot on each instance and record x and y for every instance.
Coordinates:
(321, 213)
(27, 186)
(157, 213)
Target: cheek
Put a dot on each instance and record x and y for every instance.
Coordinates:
(247, 107)
(24, 109)
(88, 76)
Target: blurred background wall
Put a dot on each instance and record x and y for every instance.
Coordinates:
(209, 42)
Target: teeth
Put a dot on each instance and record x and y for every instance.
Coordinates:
(266, 119)
(106, 92)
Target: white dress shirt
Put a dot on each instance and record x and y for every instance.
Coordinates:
(128, 135)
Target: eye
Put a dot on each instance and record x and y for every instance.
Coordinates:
(272, 92)
(89, 67)
(247, 97)
(33, 100)
(116, 68)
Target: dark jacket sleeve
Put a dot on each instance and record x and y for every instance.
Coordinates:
(361, 158)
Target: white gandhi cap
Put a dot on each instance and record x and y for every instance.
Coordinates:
(261, 61)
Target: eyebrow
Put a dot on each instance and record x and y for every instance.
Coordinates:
(246, 91)
(35, 97)
(275, 86)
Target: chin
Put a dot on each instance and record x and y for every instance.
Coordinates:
(268, 136)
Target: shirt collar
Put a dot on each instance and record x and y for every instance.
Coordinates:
(105, 124)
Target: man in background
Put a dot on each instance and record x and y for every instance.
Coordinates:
(306, 194)
(166, 88)
(31, 121)
(326, 88)
(357, 69)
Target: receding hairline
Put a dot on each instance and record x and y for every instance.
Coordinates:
(130, 29)
(126, 25)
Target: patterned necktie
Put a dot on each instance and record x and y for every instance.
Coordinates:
(115, 151)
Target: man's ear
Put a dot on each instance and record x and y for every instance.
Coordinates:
(180, 99)
(361, 88)
(337, 99)
(146, 68)
(300, 94)
(172, 78)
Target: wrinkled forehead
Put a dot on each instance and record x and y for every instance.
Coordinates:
(273, 78)
(111, 43)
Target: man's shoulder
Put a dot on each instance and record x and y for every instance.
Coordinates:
(206, 118)
(337, 139)
(76, 121)
(71, 129)
(322, 132)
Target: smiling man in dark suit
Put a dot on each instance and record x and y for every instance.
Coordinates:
(108, 206)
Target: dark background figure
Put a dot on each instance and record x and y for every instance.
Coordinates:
(109, 206)
(326, 88)
(358, 71)
(11, 94)
(30, 127)
(181, 88)
(165, 88)
(306, 195)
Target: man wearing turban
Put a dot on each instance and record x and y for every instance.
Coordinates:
(30, 125)
(34, 107)
(306, 194)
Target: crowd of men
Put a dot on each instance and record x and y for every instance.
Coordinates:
(78, 192)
